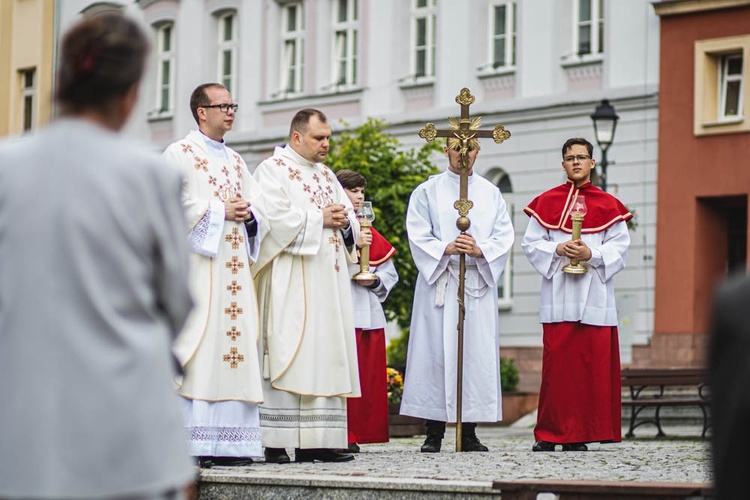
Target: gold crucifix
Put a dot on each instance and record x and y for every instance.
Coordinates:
(465, 131)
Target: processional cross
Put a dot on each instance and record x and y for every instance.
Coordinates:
(465, 131)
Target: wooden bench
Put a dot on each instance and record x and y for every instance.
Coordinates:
(610, 490)
(647, 390)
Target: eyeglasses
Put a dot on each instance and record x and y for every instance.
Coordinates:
(570, 159)
(224, 108)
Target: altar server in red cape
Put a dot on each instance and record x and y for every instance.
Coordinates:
(367, 417)
(579, 399)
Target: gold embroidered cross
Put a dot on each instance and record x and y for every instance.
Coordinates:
(233, 358)
(233, 311)
(233, 333)
(235, 238)
(235, 265)
(234, 288)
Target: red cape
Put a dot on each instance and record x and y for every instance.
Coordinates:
(380, 249)
(552, 208)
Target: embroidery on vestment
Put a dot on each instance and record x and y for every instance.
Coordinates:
(233, 333)
(235, 265)
(235, 238)
(233, 358)
(234, 288)
(233, 310)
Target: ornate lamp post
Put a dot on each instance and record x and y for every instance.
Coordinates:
(605, 123)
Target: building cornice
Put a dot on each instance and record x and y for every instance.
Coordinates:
(665, 8)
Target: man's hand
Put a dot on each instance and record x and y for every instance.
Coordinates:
(365, 238)
(574, 250)
(236, 209)
(334, 216)
(464, 243)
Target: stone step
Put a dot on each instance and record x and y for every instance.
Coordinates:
(234, 486)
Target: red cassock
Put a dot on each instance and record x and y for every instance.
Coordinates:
(367, 416)
(579, 399)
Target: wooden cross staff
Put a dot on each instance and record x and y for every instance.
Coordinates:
(465, 130)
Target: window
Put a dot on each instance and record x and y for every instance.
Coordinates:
(165, 68)
(227, 43)
(589, 27)
(720, 101)
(28, 97)
(292, 48)
(504, 287)
(730, 85)
(503, 35)
(344, 60)
(423, 39)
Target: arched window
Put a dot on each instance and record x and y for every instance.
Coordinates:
(501, 179)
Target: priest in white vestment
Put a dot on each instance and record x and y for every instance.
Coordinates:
(307, 324)
(436, 244)
(218, 348)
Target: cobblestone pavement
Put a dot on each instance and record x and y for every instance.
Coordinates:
(680, 457)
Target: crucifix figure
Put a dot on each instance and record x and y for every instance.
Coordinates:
(465, 132)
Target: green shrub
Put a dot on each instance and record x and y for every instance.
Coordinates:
(508, 374)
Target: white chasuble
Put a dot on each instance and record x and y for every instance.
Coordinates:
(219, 345)
(430, 385)
(305, 302)
(303, 283)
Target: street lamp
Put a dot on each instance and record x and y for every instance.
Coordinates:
(605, 123)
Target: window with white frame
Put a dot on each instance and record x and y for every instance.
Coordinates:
(227, 47)
(165, 68)
(720, 97)
(504, 287)
(345, 35)
(588, 32)
(730, 86)
(502, 20)
(292, 48)
(423, 38)
(28, 97)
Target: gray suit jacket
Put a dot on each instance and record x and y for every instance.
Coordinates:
(93, 287)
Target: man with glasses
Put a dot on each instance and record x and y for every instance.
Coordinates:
(579, 399)
(218, 347)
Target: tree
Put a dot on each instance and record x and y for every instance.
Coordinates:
(392, 173)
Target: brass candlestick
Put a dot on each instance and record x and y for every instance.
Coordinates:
(364, 276)
(577, 212)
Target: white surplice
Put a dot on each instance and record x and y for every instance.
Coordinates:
(430, 385)
(368, 307)
(588, 298)
(310, 353)
(218, 347)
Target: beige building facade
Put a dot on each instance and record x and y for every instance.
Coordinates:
(26, 61)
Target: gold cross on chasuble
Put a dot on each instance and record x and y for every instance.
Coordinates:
(463, 134)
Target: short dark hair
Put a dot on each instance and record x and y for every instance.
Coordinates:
(351, 179)
(101, 58)
(579, 141)
(199, 98)
(302, 119)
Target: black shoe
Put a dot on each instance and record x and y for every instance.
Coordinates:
(472, 443)
(543, 446)
(432, 444)
(207, 462)
(575, 447)
(276, 456)
(321, 455)
(353, 448)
